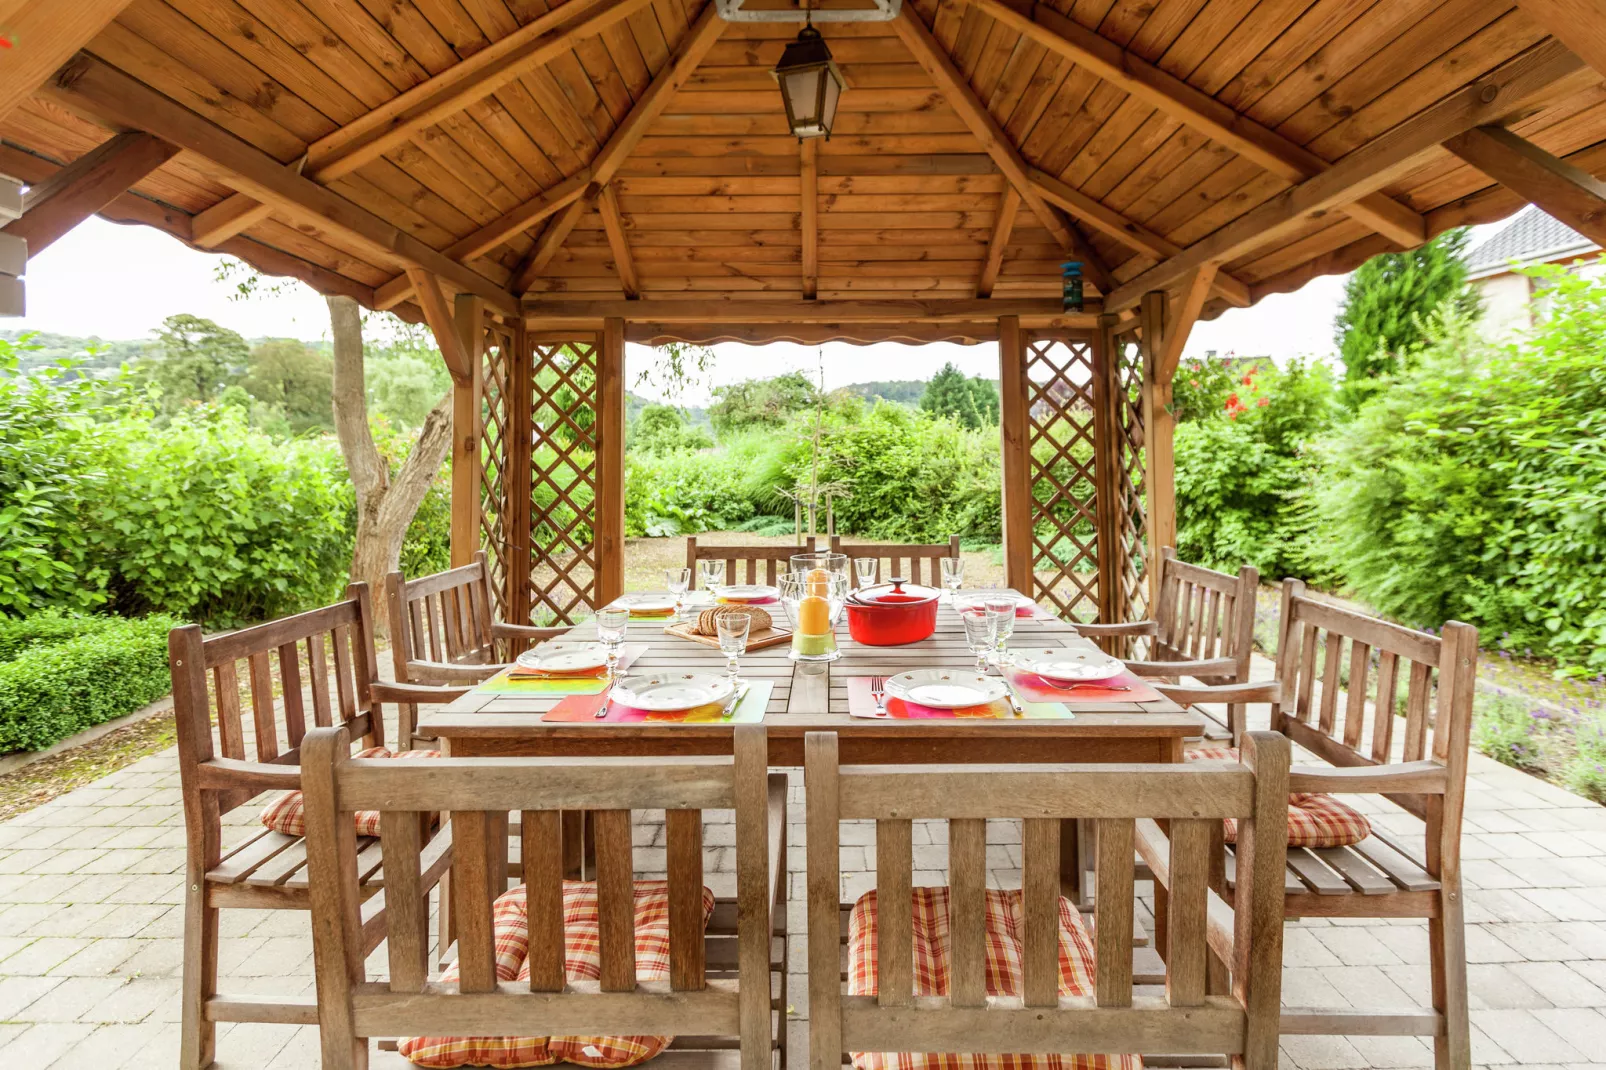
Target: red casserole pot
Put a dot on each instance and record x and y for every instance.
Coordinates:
(892, 614)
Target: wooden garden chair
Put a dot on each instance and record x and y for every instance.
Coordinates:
(700, 988)
(1329, 660)
(896, 557)
(913, 987)
(1203, 628)
(775, 559)
(327, 675)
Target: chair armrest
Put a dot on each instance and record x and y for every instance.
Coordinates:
(227, 773)
(1404, 778)
(1205, 667)
(385, 691)
(500, 630)
(1259, 691)
(1132, 628)
(446, 672)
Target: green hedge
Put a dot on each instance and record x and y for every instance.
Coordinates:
(60, 675)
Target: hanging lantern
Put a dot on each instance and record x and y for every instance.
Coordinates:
(810, 85)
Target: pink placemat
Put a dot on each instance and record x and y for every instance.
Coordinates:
(1122, 688)
(862, 704)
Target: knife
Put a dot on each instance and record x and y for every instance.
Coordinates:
(736, 700)
(1014, 702)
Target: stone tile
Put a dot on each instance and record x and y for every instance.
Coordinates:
(1526, 1038)
(1582, 1027)
(43, 1044)
(1560, 984)
(76, 999)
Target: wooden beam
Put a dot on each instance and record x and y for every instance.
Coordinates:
(1136, 76)
(547, 245)
(809, 217)
(1003, 227)
(402, 118)
(1159, 431)
(465, 327)
(1180, 323)
(122, 101)
(1016, 461)
(1578, 24)
(442, 324)
(934, 59)
(1497, 95)
(613, 225)
(562, 313)
(652, 333)
(1571, 194)
(85, 186)
(610, 432)
(43, 36)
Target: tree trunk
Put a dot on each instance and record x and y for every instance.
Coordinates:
(385, 506)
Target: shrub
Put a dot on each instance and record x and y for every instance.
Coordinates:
(63, 685)
(1586, 772)
(1511, 731)
(683, 493)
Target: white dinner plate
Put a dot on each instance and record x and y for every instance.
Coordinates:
(747, 592)
(1068, 664)
(646, 601)
(979, 596)
(564, 657)
(662, 692)
(947, 689)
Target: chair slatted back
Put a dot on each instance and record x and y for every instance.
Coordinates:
(443, 618)
(1195, 1016)
(479, 793)
(1205, 614)
(904, 562)
(1345, 678)
(326, 665)
(775, 560)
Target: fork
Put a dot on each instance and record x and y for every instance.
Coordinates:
(878, 691)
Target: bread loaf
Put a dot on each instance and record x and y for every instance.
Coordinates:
(707, 620)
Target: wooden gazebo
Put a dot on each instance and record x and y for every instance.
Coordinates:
(542, 184)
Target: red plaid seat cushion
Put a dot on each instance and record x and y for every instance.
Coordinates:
(1005, 976)
(1314, 819)
(582, 963)
(288, 814)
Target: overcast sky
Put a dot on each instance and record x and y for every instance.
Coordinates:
(119, 282)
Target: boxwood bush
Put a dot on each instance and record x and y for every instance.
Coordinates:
(60, 675)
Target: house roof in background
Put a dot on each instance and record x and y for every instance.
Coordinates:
(1531, 237)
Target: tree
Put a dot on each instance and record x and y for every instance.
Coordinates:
(971, 402)
(665, 429)
(385, 505)
(293, 378)
(193, 359)
(761, 402)
(1387, 303)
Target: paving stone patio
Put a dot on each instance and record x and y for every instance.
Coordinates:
(90, 932)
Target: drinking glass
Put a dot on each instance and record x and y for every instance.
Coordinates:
(712, 574)
(733, 628)
(611, 624)
(981, 634)
(864, 569)
(677, 580)
(1002, 612)
(953, 575)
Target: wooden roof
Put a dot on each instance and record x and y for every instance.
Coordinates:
(612, 149)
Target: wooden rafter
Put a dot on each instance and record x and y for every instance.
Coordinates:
(46, 35)
(934, 59)
(1182, 317)
(1578, 24)
(399, 120)
(85, 186)
(1003, 227)
(809, 213)
(90, 85)
(1492, 98)
(1142, 79)
(1569, 193)
(613, 225)
(442, 324)
(547, 245)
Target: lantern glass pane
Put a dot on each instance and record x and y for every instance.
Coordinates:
(802, 95)
(833, 90)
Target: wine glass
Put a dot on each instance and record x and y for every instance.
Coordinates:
(711, 573)
(981, 635)
(733, 629)
(677, 580)
(864, 568)
(953, 575)
(611, 624)
(1002, 611)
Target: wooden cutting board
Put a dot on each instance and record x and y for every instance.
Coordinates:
(755, 640)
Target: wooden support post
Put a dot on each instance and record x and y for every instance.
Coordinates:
(466, 390)
(1016, 439)
(610, 501)
(809, 219)
(1159, 427)
(1106, 471)
(518, 482)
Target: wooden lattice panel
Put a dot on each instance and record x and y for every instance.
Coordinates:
(1062, 442)
(563, 478)
(497, 403)
(1131, 527)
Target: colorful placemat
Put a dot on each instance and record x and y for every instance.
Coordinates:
(862, 704)
(582, 709)
(515, 681)
(1123, 688)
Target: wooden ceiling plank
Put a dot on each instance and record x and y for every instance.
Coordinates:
(1578, 24)
(614, 226)
(1002, 229)
(1569, 193)
(809, 214)
(86, 186)
(1138, 77)
(52, 33)
(124, 102)
(1489, 99)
